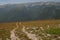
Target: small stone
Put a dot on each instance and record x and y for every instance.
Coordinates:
(48, 35)
(41, 28)
(27, 28)
(59, 37)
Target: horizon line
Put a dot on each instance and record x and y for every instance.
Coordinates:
(25, 2)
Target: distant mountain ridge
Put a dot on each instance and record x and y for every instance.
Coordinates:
(29, 11)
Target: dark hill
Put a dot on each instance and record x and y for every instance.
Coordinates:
(30, 11)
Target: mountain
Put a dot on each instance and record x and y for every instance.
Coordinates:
(29, 11)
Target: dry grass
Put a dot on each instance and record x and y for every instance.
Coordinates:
(46, 24)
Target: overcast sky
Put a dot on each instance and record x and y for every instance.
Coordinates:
(24, 1)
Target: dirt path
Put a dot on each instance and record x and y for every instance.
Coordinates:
(29, 35)
(13, 36)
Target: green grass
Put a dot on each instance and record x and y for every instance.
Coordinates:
(53, 31)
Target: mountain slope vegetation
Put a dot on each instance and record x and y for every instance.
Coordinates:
(29, 11)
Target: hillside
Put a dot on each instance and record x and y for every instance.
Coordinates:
(29, 11)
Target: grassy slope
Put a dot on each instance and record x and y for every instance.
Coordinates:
(33, 22)
(6, 27)
(28, 23)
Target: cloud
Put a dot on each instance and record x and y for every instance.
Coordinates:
(23, 1)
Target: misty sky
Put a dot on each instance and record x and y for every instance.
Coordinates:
(24, 1)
